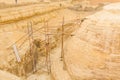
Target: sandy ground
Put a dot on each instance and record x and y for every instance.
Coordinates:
(57, 66)
(103, 1)
(7, 76)
(55, 19)
(58, 72)
(7, 40)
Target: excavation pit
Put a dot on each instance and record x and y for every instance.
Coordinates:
(9, 59)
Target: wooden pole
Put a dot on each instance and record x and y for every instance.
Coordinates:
(33, 48)
(48, 42)
(62, 39)
(16, 1)
(30, 36)
(16, 53)
(47, 47)
(45, 30)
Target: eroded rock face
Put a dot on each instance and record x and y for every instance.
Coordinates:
(94, 51)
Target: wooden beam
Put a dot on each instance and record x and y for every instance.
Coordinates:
(16, 53)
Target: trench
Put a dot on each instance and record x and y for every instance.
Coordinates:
(24, 69)
(55, 40)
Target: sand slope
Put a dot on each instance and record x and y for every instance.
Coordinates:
(94, 51)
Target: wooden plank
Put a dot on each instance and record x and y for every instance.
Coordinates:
(16, 53)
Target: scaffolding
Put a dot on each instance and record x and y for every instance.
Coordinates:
(47, 34)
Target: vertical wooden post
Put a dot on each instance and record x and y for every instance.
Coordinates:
(30, 36)
(45, 30)
(16, 53)
(62, 39)
(16, 1)
(33, 52)
(47, 43)
(62, 46)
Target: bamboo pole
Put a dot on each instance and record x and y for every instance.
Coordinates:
(47, 46)
(62, 39)
(30, 36)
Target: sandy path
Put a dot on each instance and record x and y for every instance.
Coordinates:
(57, 66)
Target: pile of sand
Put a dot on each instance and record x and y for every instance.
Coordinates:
(94, 51)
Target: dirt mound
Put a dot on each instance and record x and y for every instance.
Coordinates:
(94, 51)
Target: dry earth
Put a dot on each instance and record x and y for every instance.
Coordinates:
(14, 21)
(14, 31)
(94, 50)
